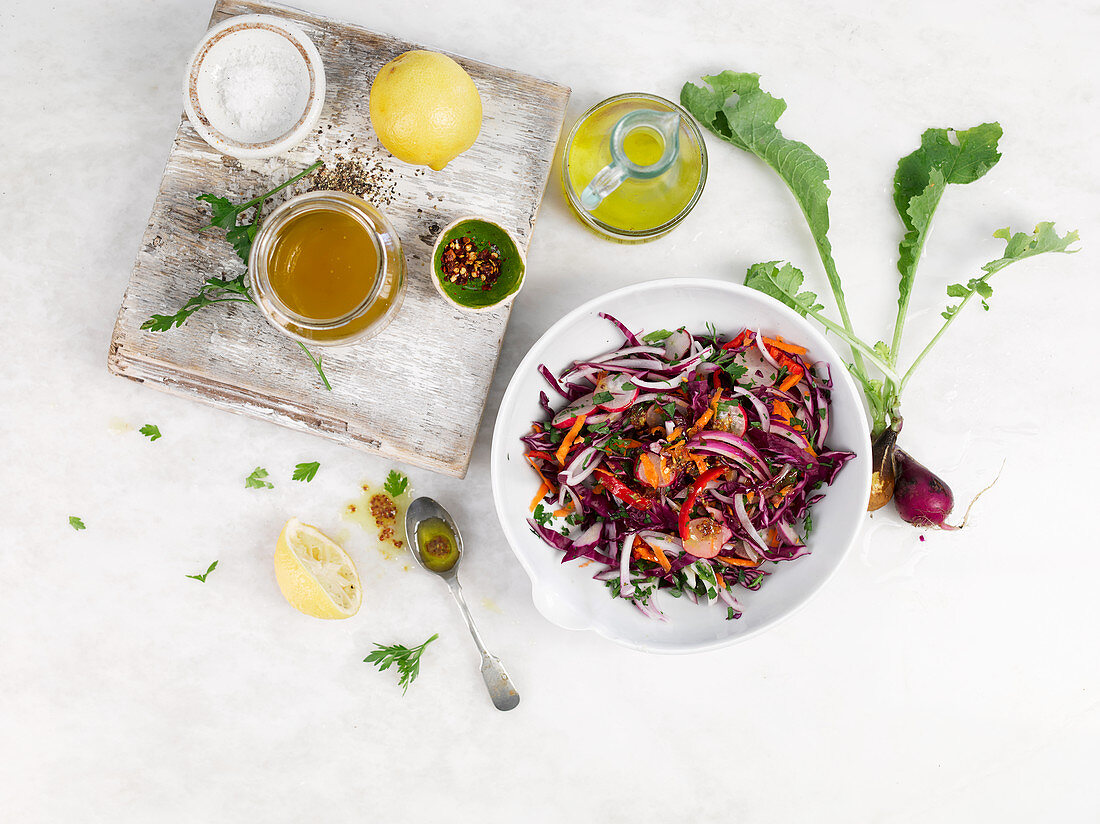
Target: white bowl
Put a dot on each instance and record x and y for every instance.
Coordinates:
(285, 71)
(566, 594)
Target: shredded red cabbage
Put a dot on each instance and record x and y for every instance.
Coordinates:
(683, 464)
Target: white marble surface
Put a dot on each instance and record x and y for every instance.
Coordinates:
(954, 679)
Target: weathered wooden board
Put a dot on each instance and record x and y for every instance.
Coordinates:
(417, 391)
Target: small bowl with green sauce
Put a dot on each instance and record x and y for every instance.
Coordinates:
(477, 264)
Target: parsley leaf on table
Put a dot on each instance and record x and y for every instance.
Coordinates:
(305, 471)
(202, 578)
(396, 483)
(150, 431)
(76, 523)
(256, 479)
(407, 660)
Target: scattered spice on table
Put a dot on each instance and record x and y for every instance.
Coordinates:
(364, 177)
(464, 264)
(384, 511)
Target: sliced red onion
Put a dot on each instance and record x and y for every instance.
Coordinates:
(581, 372)
(668, 544)
(652, 610)
(759, 407)
(764, 353)
(791, 434)
(787, 532)
(583, 465)
(730, 601)
(590, 536)
(624, 566)
(746, 524)
(634, 363)
(670, 383)
(629, 350)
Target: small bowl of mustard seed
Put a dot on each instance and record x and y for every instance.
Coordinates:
(477, 264)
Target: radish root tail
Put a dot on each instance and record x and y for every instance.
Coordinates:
(974, 500)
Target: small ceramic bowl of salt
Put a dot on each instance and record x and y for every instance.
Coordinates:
(255, 86)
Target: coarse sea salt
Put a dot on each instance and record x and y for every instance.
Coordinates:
(254, 86)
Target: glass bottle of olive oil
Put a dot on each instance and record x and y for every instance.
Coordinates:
(633, 166)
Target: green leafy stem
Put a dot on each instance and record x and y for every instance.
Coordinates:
(214, 290)
(734, 107)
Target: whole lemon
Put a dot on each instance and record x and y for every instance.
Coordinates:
(425, 108)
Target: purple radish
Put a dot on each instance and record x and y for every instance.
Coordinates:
(921, 496)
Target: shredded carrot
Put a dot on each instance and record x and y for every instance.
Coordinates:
(773, 538)
(565, 510)
(783, 346)
(630, 443)
(700, 462)
(535, 466)
(586, 563)
(778, 497)
(674, 434)
(659, 553)
(641, 550)
(721, 580)
(539, 495)
(781, 409)
(790, 381)
(735, 562)
(705, 418)
(750, 496)
(574, 430)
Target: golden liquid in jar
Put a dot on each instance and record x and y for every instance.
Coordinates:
(323, 265)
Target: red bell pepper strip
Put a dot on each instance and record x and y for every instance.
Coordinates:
(740, 340)
(689, 502)
(623, 492)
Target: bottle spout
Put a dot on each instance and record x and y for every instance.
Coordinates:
(668, 124)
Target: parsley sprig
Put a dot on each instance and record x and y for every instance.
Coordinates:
(201, 578)
(76, 523)
(255, 480)
(213, 290)
(224, 215)
(396, 483)
(407, 660)
(150, 431)
(305, 471)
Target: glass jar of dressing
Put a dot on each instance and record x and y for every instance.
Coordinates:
(327, 268)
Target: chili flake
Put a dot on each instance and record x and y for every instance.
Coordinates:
(469, 267)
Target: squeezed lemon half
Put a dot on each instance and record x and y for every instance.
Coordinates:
(315, 575)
